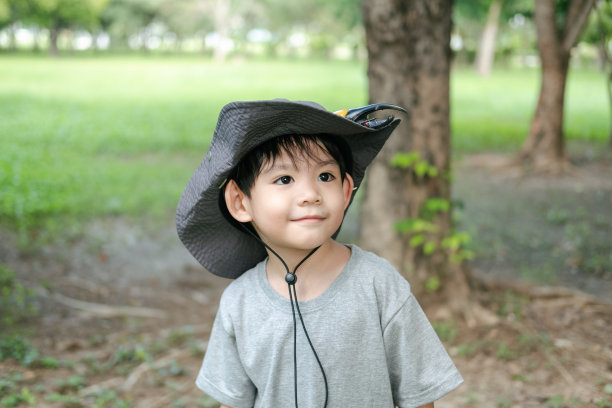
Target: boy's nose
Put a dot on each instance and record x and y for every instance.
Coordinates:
(309, 194)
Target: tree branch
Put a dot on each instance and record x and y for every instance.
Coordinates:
(576, 20)
(103, 310)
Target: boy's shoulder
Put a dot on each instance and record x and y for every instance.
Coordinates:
(246, 282)
(380, 278)
(377, 268)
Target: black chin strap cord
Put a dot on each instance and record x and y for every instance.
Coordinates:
(291, 279)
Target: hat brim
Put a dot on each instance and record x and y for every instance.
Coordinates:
(220, 247)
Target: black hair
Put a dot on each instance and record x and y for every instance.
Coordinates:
(297, 147)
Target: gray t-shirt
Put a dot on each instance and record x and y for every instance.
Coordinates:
(375, 343)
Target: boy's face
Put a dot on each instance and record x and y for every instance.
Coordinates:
(295, 205)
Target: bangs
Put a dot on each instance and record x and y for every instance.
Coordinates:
(298, 148)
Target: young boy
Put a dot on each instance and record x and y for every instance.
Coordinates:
(308, 320)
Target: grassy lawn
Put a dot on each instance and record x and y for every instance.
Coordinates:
(84, 137)
(495, 113)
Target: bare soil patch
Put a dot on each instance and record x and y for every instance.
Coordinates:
(127, 311)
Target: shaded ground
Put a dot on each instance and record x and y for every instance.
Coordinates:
(127, 312)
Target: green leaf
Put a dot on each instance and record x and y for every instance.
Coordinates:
(467, 254)
(417, 240)
(421, 168)
(436, 204)
(432, 284)
(429, 248)
(404, 160)
(405, 225)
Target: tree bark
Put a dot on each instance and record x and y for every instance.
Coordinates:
(409, 65)
(606, 65)
(486, 49)
(544, 148)
(222, 22)
(53, 35)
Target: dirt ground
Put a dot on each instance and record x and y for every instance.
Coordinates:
(127, 312)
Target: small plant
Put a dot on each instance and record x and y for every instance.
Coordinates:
(109, 398)
(604, 403)
(67, 401)
(503, 402)
(522, 378)
(94, 365)
(510, 304)
(24, 396)
(179, 337)
(447, 331)
(72, 383)
(180, 403)
(174, 370)
(557, 216)
(469, 349)
(17, 348)
(555, 402)
(206, 402)
(135, 354)
(504, 352)
(49, 362)
(9, 386)
(16, 302)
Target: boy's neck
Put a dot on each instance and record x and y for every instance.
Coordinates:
(315, 275)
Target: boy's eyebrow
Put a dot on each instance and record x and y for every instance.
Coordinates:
(282, 165)
(276, 165)
(329, 162)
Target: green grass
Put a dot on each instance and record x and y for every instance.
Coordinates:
(495, 113)
(88, 137)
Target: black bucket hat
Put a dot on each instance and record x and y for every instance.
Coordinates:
(201, 224)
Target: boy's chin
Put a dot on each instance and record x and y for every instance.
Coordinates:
(303, 246)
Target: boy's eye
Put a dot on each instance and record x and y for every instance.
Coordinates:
(284, 180)
(326, 177)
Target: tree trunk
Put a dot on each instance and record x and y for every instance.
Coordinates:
(606, 64)
(12, 32)
(53, 35)
(544, 148)
(486, 48)
(409, 65)
(222, 21)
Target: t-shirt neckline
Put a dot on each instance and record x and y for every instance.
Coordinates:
(283, 304)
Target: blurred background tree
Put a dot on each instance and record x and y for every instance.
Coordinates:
(599, 34)
(559, 25)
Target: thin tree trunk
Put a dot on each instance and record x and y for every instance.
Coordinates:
(544, 148)
(486, 49)
(12, 32)
(606, 65)
(53, 35)
(222, 17)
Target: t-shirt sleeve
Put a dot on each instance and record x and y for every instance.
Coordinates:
(421, 370)
(222, 375)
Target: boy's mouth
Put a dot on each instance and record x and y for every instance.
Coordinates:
(309, 218)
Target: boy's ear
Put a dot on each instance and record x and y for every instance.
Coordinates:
(347, 188)
(236, 202)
